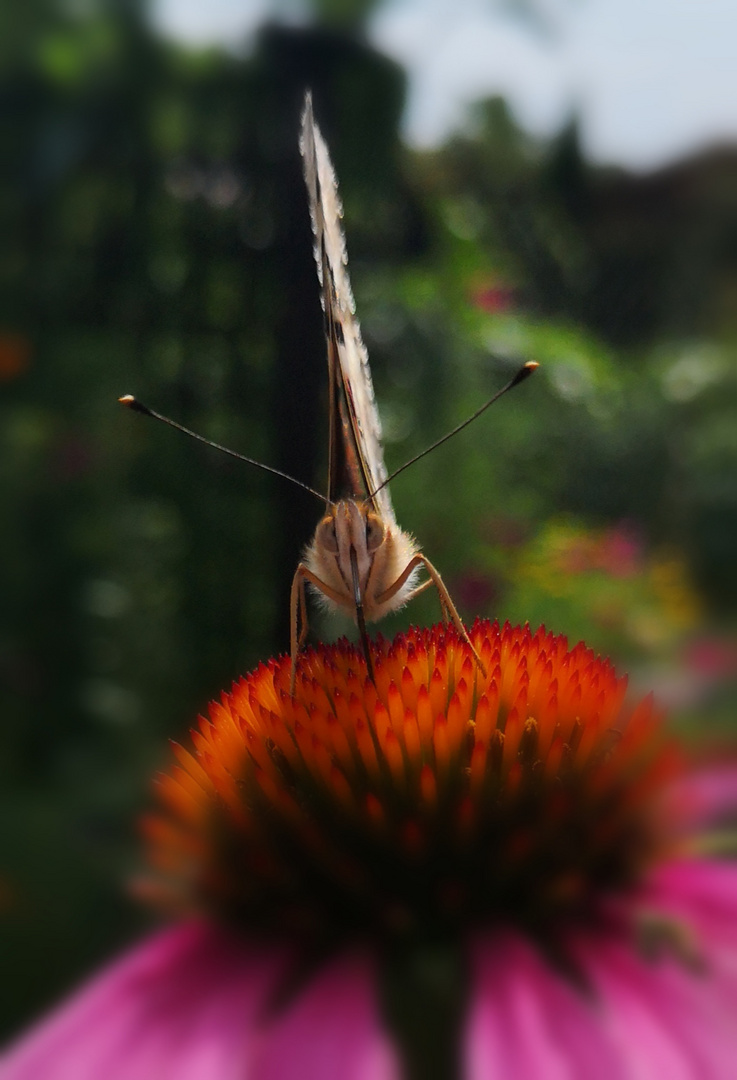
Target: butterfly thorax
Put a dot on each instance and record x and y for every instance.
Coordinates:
(358, 556)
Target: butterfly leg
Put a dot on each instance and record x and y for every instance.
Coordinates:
(448, 608)
(298, 611)
(447, 615)
(298, 623)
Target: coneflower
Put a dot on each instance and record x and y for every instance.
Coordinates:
(442, 872)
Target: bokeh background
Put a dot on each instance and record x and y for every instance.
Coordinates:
(155, 239)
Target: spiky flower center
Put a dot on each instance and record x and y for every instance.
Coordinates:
(433, 798)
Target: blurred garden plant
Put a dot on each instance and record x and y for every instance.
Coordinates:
(529, 826)
(603, 584)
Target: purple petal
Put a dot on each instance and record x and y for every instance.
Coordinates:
(645, 1019)
(704, 796)
(527, 1021)
(701, 896)
(704, 891)
(667, 1021)
(331, 1029)
(182, 1006)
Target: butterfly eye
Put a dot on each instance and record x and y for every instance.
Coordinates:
(374, 532)
(326, 536)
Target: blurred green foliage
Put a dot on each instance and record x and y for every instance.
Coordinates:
(156, 240)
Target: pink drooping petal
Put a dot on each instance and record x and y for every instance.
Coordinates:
(185, 1005)
(703, 797)
(674, 1015)
(527, 1021)
(665, 1019)
(332, 1028)
(704, 891)
(700, 895)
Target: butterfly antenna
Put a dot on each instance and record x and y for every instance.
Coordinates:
(524, 372)
(133, 403)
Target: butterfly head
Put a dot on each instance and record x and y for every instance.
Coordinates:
(350, 534)
(357, 558)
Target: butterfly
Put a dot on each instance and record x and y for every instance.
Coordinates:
(359, 559)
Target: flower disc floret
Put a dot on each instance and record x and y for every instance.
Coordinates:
(435, 797)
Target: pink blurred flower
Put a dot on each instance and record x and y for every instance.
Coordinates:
(620, 551)
(475, 589)
(493, 810)
(617, 551)
(495, 299)
(713, 658)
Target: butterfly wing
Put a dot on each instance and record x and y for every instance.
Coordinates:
(356, 459)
